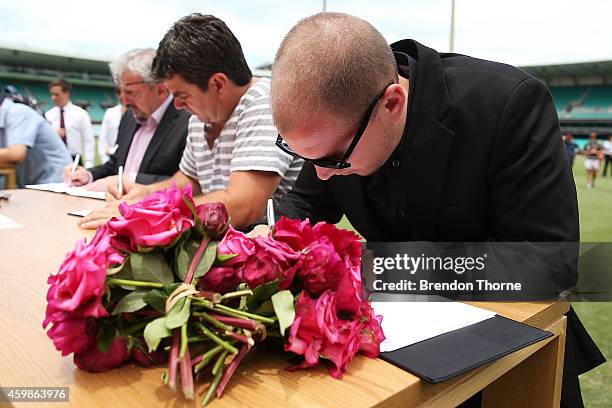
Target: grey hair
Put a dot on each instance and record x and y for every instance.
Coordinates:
(330, 63)
(139, 61)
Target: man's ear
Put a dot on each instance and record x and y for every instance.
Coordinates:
(394, 100)
(218, 84)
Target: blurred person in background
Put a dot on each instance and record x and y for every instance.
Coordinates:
(571, 148)
(110, 128)
(593, 151)
(607, 145)
(72, 123)
(29, 143)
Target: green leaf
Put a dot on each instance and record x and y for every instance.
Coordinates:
(131, 302)
(156, 298)
(170, 288)
(125, 273)
(155, 331)
(151, 267)
(107, 335)
(179, 314)
(261, 293)
(265, 309)
(183, 258)
(223, 258)
(186, 254)
(207, 260)
(284, 309)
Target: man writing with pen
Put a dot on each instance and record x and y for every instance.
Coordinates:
(152, 132)
(230, 154)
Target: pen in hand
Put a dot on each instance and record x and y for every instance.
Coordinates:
(75, 164)
(120, 181)
(270, 215)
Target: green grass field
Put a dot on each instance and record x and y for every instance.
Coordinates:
(595, 206)
(596, 226)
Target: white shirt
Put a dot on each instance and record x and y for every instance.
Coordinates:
(608, 147)
(109, 130)
(79, 135)
(142, 138)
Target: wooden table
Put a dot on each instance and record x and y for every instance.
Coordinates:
(530, 377)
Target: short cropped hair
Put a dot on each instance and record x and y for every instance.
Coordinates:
(138, 60)
(329, 62)
(198, 46)
(62, 83)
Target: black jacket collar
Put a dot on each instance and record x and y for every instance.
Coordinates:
(430, 92)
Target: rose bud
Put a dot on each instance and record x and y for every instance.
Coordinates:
(214, 218)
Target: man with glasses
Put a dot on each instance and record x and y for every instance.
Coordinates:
(230, 154)
(413, 145)
(152, 133)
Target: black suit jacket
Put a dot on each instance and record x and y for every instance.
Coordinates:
(481, 159)
(162, 157)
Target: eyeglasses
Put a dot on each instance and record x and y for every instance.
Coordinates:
(335, 163)
(134, 92)
(149, 82)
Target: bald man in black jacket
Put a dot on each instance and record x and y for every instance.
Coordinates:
(451, 148)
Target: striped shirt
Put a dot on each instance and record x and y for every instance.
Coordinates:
(246, 143)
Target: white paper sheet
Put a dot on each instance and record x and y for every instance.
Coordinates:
(406, 323)
(7, 223)
(65, 188)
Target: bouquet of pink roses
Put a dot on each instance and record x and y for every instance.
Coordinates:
(169, 282)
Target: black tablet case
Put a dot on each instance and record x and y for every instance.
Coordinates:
(450, 354)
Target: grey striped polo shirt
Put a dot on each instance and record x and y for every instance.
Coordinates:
(246, 142)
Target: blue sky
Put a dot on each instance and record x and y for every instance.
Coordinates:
(519, 32)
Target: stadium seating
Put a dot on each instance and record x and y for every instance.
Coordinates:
(583, 102)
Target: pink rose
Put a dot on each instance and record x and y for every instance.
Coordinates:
(72, 334)
(320, 267)
(77, 290)
(236, 242)
(214, 218)
(318, 331)
(80, 282)
(93, 360)
(295, 233)
(271, 260)
(372, 336)
(158, 220)
(346, 243)
(221, 279)
(301, 236)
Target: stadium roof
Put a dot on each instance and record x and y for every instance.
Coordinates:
(602, 69)
(45, 60)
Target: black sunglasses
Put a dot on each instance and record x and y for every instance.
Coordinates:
(334, 163)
